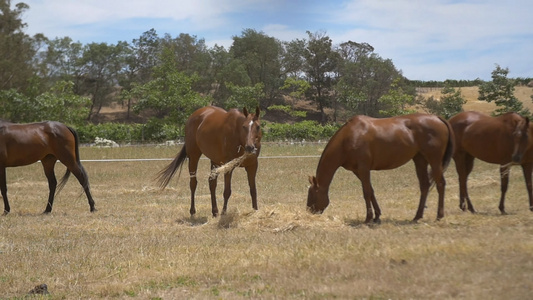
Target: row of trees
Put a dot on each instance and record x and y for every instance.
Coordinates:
(167, 77)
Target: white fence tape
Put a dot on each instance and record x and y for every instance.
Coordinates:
(167, 159)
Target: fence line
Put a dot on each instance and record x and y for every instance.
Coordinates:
(167, 159)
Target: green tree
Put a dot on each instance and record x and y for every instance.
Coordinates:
(396, 102)
(244, 96)
(60, 103)
(297, 88)
(320, 67)
(260, 55)
(450, 103)
(364, 77)
(169, 93)
(16, 48)
(141, 56)
(100, 66)
(501, 91)
(192, 57)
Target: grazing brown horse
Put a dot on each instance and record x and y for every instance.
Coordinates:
(364, 144)
(502, 140)
(221, 136)
(24, 144)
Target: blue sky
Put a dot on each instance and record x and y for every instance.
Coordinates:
(426, 39)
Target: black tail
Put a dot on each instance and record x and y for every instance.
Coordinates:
(164, 176)
(65, 178)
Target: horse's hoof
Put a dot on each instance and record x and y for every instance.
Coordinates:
(377, 221)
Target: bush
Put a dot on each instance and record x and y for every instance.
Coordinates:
(305, 130)
(157, 130)
(153, 131)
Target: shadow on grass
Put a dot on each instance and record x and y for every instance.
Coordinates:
(192, 221)
(360, 223)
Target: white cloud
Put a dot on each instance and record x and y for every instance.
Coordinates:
(432, 39)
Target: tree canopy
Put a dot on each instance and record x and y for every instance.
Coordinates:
(166, 77)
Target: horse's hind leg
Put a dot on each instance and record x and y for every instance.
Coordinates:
(464, 163)
(3, 190)
(421, 166)
(48, 166)
(83, 179)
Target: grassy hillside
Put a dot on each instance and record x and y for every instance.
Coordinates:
(471, 94)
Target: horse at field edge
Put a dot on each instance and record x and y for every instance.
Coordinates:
(503, 140)
(24, 144)
(221, 136)
(365, 143)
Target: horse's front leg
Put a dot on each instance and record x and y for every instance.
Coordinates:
(251, 172)
(504, 183)
(368, 194)
(227, 190)
(3, 190)
(213, 190)
(526, 170)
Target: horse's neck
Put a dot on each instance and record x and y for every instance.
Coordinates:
(329, 162)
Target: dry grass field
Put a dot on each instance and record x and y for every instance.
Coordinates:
(470, 94)
(142, 243)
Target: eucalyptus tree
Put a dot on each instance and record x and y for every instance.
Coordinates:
(101, 64)
(320, 67)
(261, 56)
(141, 56)
(16, 48)
(192, 57)
(364, 77)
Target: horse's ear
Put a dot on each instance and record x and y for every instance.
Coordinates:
(245, 111)
(257, 112)
(313, 181)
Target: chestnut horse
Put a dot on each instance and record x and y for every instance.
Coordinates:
(221, 136)
(499, 140)
(24, 144)
(364, 144)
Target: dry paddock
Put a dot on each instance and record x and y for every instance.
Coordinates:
(142, 243)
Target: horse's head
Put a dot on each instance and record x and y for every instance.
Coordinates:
(520, 139)
(317, 197)
(251, 131)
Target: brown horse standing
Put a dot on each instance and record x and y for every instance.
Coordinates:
(221, 136)
(24, 144)
(499, 140)
(364, 144)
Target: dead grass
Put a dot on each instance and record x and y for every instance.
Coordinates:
(142, 243)
(523, 93)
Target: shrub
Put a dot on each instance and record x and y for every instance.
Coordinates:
(305, 130)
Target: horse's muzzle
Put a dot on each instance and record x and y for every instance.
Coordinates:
(250, 149)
